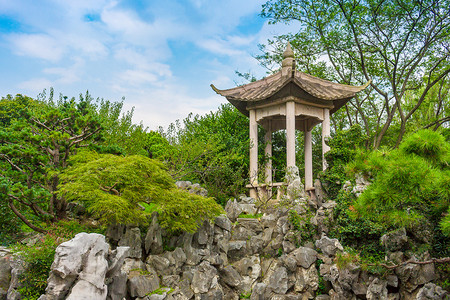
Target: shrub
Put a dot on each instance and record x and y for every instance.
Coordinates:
(111, 187)
(411, 187)
(343, 148)
(427, 144)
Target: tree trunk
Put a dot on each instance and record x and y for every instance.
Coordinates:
(25, 220)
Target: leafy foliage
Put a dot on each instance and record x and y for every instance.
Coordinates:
(410, 186)
(37, 137)
(408, 63)
(111, 187)
(343, 148)
(212, 150)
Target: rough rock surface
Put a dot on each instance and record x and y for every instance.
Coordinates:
(231, 258)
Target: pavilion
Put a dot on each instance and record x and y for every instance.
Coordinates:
(290, 100)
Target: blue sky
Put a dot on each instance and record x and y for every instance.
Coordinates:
(161, 55)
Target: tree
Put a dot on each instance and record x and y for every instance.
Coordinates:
(410, 185)
(37, 138)
(401, 45)
(212, 150)
(111, 187)
(35, 146)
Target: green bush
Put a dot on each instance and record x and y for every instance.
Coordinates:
(410, 188)
(343, 148)
(111, 188)
(360, 233)
(429, 145)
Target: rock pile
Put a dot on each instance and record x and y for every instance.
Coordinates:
(233, 258)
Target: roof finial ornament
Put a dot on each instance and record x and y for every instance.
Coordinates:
(288, 57)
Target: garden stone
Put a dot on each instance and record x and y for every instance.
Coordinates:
(251, 224)
(306, 280)
(179, 257)
(395, 240)
(278, 281)
(348, 276)
(323, 297)
(392, 280)
(256, 244)
(117, 286)
(320, 193)
(116, 259)
(233, 210)
(192, 255)
(249, 266)
(430, 291)
(267, 236)
(140, 284)
(79, 264)
(240, 233)
(157, 297)
(132, 263)
(223, 222)
(289, 262)
(305, 257)
(237, 249)
(153, 239)
(5, 274)
(230, 276)
(258, 292)
(361, 184)
(288, 247)
(269, 221)
(329, 246)
(16, 271)
(214, 293)
(185, 288)
(377, 290)
(170, 280)
(160, 263)
(203, 278)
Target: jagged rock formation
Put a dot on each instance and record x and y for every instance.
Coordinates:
(244, 258)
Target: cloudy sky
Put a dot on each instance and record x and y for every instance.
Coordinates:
(161, 55)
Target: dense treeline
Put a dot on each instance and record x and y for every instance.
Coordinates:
(87, 151)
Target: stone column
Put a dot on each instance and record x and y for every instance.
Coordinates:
(308, 160)
(290, 134)
(325, 134)
(253, 172)
(268, 151)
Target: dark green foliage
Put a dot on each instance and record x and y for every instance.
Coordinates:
(429, 145)
(359, 233)
(410, 187)
(111, 187)
(303, 227)
(212, 150)
(38, 260)
(37, 137)
(343, 148)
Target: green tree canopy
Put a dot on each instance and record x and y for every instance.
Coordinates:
(111, 187)
(401, 45)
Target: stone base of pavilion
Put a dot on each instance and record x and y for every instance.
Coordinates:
(269, 190)
(266, 191)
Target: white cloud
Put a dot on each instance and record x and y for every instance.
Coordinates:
(36, 45)
(120, 50)
(36, 85)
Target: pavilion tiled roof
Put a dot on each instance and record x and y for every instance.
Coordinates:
(319, 89)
